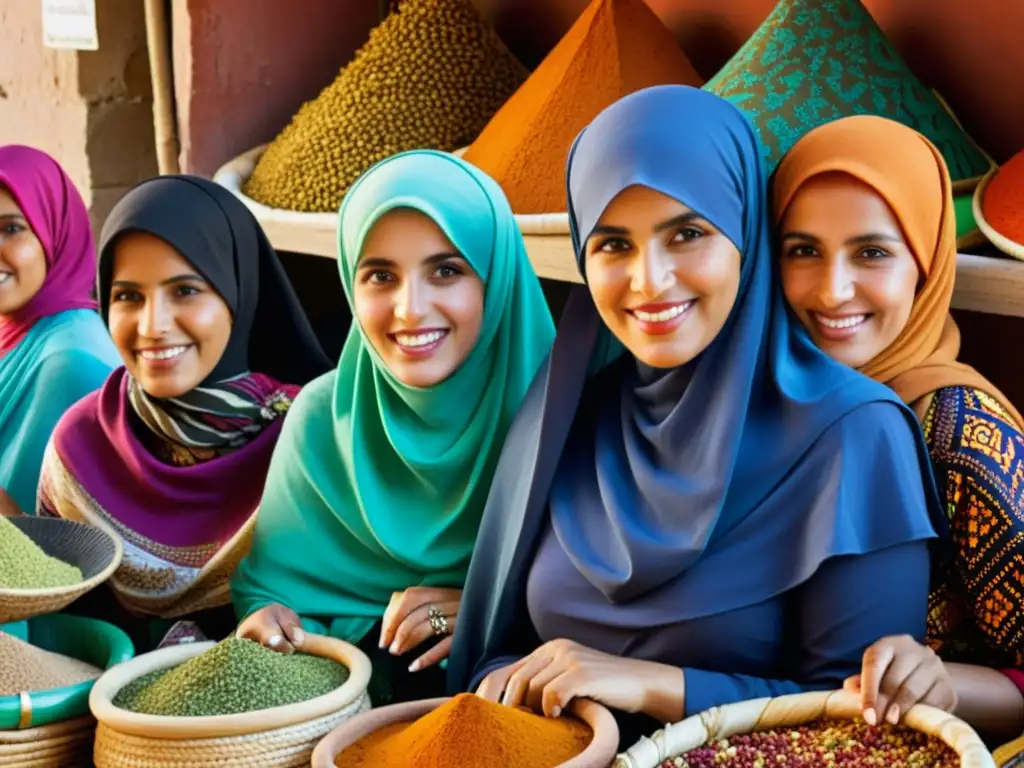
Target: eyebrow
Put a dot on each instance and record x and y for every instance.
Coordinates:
(684, 218)
(13, 216)
(376, 262)
(169, 281)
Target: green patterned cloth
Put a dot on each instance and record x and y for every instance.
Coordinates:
(814, 61)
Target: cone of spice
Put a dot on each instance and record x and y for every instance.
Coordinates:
(470, 732)
(615, 48)
(24, 668)
(23, 565)
(1003, 201)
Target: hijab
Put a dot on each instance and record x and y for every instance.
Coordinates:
(907, 171)
(379, 486)
(678, 484)
(58, 217)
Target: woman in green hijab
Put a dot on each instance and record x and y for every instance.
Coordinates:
(379, 478)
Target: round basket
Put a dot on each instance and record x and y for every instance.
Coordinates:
(96, 642)
(597, 755)
(93, 551)
(233, 175)
(278, 737)
(1003, 243)
(62, 745)
(789, 711)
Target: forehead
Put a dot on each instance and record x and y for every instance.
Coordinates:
(143, 257)
(7, 202)
(406, 237)
(639, 207)
(838, 202)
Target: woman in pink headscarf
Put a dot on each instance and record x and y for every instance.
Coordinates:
(54, 348)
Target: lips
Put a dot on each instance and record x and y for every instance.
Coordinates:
(420, 343)
(162, 354)
(661, 318)
(839, 327)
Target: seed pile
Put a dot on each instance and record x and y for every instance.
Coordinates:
(430, 77)
(23, 565)
(234, 676)
(470, 732)
(826, 743)
(26, 668)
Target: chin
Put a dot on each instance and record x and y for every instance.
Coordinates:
(163, 389)
(422, 379)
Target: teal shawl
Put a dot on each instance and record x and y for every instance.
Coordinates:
(374, 486)
(60, 360)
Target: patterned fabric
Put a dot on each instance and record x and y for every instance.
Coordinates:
(813, 61)
(212, 420)
(975, 610)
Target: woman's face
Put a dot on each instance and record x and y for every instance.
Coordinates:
(847, 271)
(22, 260)
(663, 278)
(418, 301)
(169, 324)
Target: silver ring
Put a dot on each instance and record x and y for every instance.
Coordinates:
(438, 621)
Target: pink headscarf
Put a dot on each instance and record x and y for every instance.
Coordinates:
(58, 217)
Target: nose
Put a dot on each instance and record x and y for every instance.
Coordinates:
(652, 272)
(836, 286)
(155, 320)
(411, 303)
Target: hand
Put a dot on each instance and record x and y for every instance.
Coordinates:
(406, 623)
(276, 627)
(556, 673)
(897, 673)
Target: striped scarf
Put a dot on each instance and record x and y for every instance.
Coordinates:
(213, 420)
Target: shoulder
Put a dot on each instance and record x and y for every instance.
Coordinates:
(881, 425)
(971, 430)
(312, 403)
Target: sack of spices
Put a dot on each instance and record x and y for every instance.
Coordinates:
(46, 564)
(999, 206)
(808, 730)
(228, 703)
(470, 732)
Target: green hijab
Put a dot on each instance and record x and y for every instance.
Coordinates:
(375, 486)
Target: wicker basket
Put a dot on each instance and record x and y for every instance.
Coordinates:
(788, 711)
(62, 745)
(280, 737)
(1010, 755)
(1003, 243)
(94, 552)
(597, 755)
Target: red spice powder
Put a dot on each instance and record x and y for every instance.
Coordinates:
(615, 48)
(1003, 201)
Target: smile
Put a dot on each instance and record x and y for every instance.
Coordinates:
(420, 343)
(840, 323)
(662, 318)
(166, 353)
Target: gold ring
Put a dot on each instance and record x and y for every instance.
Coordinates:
(438, 621)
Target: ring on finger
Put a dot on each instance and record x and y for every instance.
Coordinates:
(438, 621)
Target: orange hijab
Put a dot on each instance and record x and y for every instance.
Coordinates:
(908, 172)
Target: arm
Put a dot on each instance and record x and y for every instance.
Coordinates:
(988, 700)
(842, 609)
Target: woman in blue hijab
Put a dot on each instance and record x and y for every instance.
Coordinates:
(695, 506)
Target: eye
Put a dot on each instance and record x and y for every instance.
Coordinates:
(126, 296)
(13, 228)
(612, 245)
(802, 251)
(379, 277)
(187, 290)
(872, 253)
(448, 271)
(686, 234)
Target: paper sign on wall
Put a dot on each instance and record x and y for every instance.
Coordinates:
(70, 24)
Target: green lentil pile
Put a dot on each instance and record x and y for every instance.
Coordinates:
(23, 565)
(232, 677)
(431, 76)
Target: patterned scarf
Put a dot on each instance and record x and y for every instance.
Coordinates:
(211, 420)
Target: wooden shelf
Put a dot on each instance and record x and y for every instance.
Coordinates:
(985, 284)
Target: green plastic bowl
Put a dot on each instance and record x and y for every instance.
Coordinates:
(96, 642)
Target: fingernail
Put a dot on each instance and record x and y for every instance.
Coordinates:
(556, 711)
(870, 717)
(381, 643)
(894, 714)
(394, 648)
(299, 636)
(415, 666)
(274, 641)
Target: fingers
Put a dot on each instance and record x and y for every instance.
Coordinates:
(518, 685)
(494, 684)
(874, 665)
(433, 656)
(403, 604)
(560, 692)
(852, 684)
(275, 627)
(927, 683)
(416, 627)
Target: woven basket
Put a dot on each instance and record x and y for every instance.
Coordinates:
(1003, 243)
(93, 551)
(597, 755)
(789, 711)
(278, 737)
(1010, 755)
(62, 745)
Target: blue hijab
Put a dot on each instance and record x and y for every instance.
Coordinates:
(707, 471)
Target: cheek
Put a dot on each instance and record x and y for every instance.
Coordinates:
(208, 322)
(373, 312)
(890, 293)
(607, 286)
(29, 261)
(797, 284)
(123, 327)
(463, 304)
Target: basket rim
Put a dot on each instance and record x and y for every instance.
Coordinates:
(81, 587)
(999, 240)
(101, 698)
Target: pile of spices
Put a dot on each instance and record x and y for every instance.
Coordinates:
(430, 77)
(1003, 201)
(24, 668)
(829, 743)
(470, 732)
(615, 48)
(234, 676)
(23, 565)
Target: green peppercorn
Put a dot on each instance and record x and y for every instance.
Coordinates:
(23, 565)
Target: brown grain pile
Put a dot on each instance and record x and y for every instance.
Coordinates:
(25, 668)
(430, 77)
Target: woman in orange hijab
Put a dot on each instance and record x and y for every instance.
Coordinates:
(868, 260)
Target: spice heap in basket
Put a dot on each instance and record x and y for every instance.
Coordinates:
(470, 732)
(233, 677)
(25, 668)
(430, 77)
(1003, 201)
(825, 743)
(23, 565)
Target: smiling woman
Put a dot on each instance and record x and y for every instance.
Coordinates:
(171, 452)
